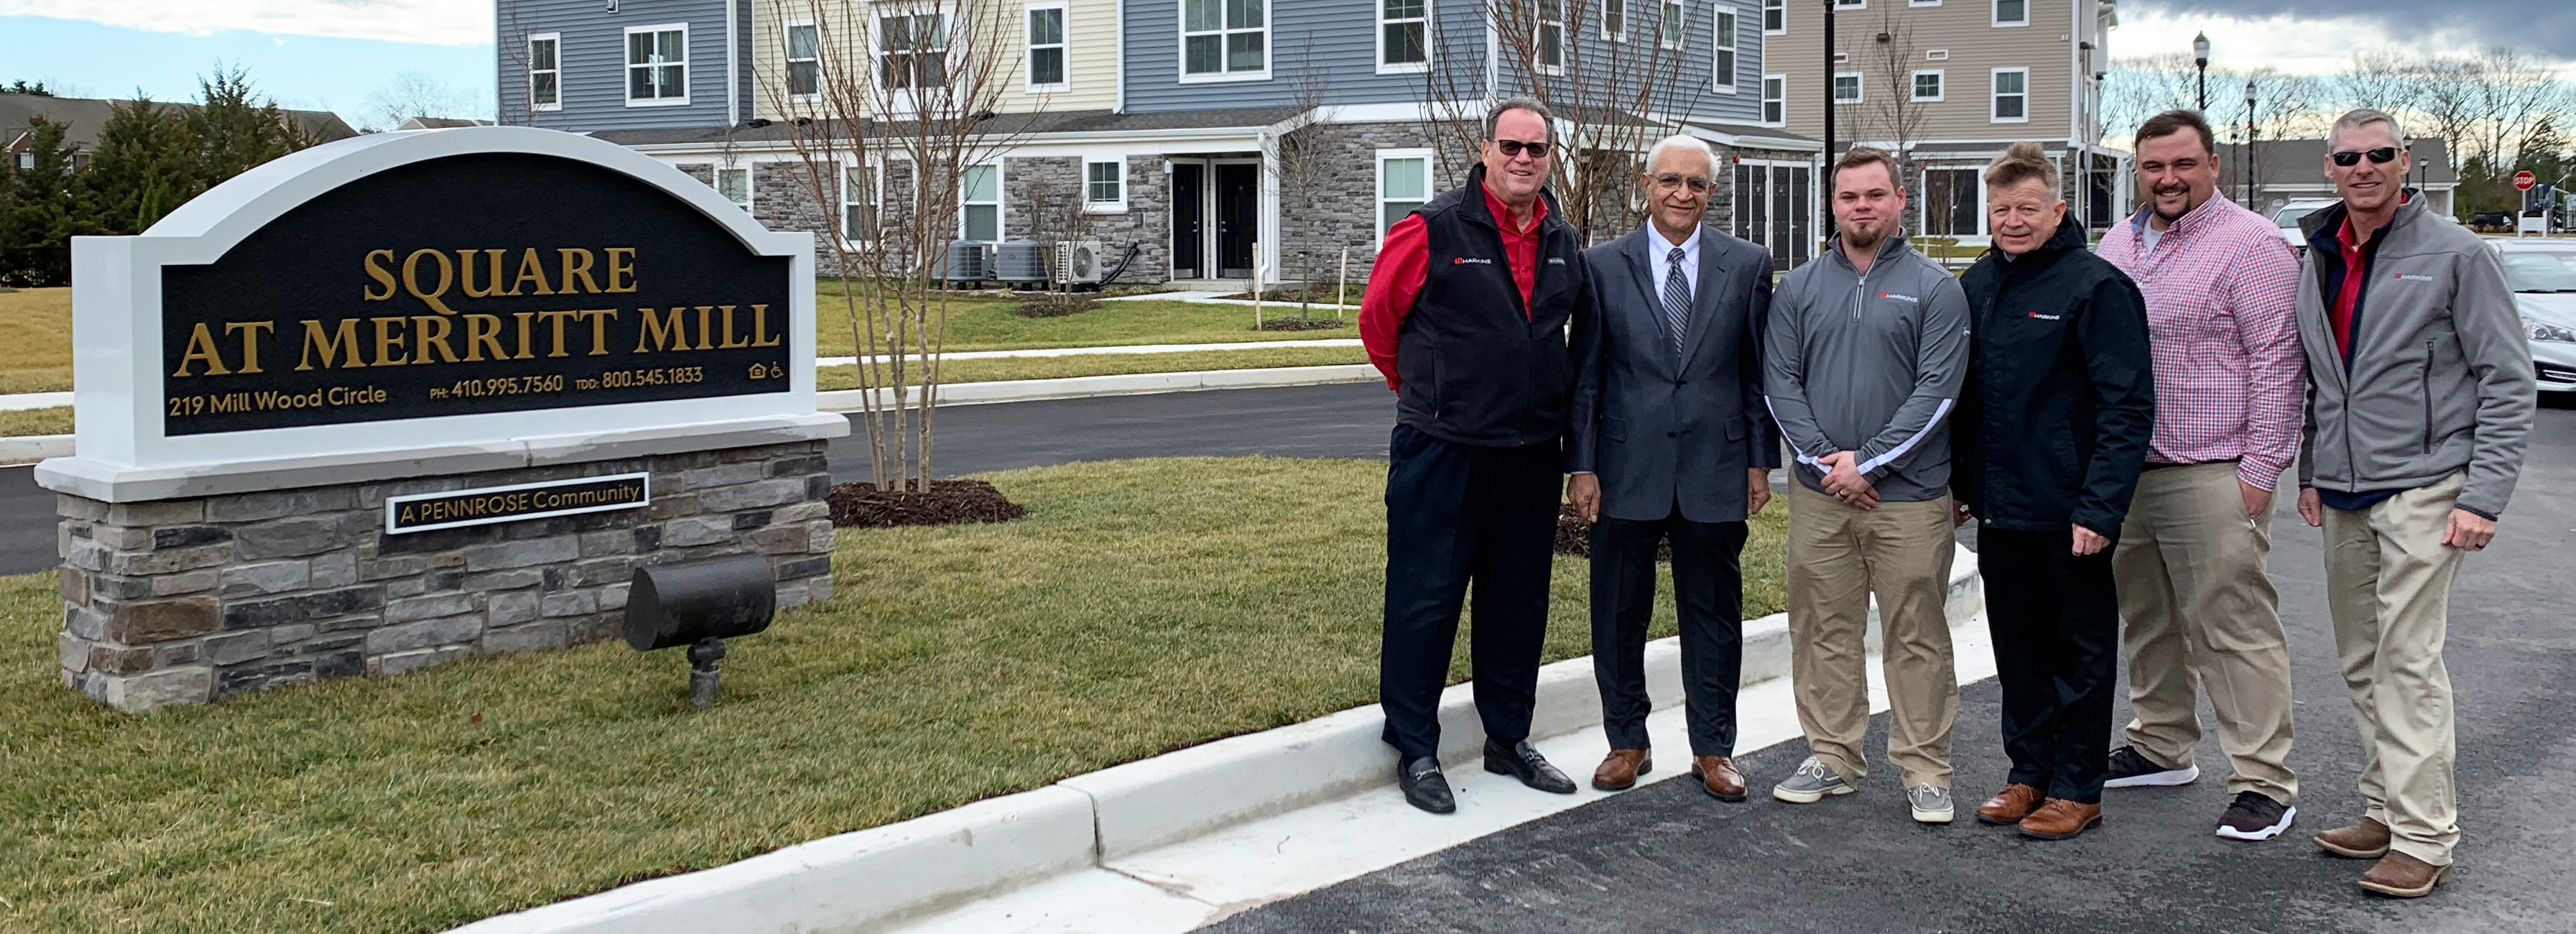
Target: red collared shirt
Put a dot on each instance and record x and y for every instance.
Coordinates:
(1404, 263)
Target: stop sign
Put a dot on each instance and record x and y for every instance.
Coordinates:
(2522, 181)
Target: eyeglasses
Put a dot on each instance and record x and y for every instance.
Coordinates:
(1673, 180)
(1512, 148)
(2380, 156)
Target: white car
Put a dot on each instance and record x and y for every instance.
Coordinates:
(2543, 276)
(2289, 216)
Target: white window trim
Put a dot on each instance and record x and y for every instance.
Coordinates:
(1840, 5)
(1860, 85)
(1627, 19)
(1430, 170)
(1995, 12)
(1430, 8)
(533, 71)
(627, 66)
(1716, 18)
(1104, 207)
(1028, 52)
(1001, 195)
(1914, 89)
(1538, 25)
(1766, 101)
(1974, 174)
(1679, 39)
(876, 189)
(750, 182)
(787, 62)
(1922, 2)
(1992, 95)
(1767, 7)
(1181, 47)
(1936, 55)
(907, 100)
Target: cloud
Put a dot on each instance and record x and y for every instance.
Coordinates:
(2545, 28)
(432, 22)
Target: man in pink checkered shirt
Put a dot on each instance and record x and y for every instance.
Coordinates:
(2222, 290)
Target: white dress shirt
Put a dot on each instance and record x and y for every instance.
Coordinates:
(1664, 250)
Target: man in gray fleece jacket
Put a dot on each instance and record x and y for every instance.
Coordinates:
(2420, 402)
(1867, 347)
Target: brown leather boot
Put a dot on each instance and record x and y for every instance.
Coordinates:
(1718, 777)
(2009, 806)
(2398, 875)
(2060, 819)
(2365, 840)
(1619, 771)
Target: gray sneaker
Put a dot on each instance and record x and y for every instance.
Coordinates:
(1931, 805)
(1811, 783)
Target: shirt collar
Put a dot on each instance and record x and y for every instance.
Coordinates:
(2344, 235)
(1664, 247)
(1503, 213)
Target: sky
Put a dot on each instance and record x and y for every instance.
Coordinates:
(332, 54)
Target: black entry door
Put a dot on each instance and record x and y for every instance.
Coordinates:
(1238, 217)
(1189, 219)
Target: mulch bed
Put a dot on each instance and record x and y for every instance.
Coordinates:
(949, 502)
(1055, 305)
(1574, 536)
(1301, 324)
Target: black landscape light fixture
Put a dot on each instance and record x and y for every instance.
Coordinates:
(700, 604)
(2200, 59)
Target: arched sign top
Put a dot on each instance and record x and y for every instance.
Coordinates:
(399, 303)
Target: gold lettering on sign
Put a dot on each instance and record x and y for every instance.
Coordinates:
(446, 278)
(483, 331)
(432, 333)
(379, 272)
(492, 267)
(389, 341)
(667, 332)
(576, 265)
(201, 349)
(760, 327)
(598, 318)
(621, 269)
(343, 342)
(532, 268)
(250, 331)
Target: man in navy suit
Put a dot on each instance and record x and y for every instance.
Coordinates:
(1670, 439)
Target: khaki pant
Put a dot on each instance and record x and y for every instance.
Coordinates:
(1838, 557)
(2201, 615)
(2388, 586)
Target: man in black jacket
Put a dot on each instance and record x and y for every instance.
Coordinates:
(1465, 313)
(2051, 434)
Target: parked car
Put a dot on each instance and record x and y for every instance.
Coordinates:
(2543, 276)
(2491, 222)
(2289, 216)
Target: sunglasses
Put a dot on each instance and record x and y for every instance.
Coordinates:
(2352, 157)
(1512, 148)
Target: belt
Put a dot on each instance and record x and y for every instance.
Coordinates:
(2153, 465)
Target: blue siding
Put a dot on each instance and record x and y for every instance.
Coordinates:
(594, 62)
(1337, 38)
(1693, 94)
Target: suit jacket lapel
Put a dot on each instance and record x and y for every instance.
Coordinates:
(1703, 317)
(1644, 259)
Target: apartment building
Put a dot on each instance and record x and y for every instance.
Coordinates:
(1952, 83)
(1214, 138)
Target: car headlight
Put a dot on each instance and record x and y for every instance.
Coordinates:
(2544, 331)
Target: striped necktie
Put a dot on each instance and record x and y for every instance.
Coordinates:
(1677, 300)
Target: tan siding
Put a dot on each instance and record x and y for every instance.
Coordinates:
(1976, 47)
(1091, 28)
(1091, 60)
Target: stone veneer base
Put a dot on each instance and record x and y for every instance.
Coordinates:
(191, 600)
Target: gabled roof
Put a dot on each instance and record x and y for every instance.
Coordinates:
(87, 116)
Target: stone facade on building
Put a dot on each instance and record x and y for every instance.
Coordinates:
(194, 600)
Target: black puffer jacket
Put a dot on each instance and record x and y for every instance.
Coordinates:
(2060, 397)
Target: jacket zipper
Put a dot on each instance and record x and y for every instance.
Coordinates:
(2424, 383)
(1859, 289)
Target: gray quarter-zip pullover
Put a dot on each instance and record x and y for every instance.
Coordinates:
(1869, 364)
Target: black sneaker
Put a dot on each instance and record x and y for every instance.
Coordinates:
(2255, 817)
(2129, 769)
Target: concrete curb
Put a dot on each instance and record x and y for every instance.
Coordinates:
(1125, 384)
(28, 449)
(872, 878)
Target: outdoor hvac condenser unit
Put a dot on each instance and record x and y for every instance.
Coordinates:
(1019, 261)
(1077, 262)
(968, 262)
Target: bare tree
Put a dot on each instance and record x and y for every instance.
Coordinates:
(1301, 157)
(411, 94)
(891, 112)
(2142, 87)
(1896, 116)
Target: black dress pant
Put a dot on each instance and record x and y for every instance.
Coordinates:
(1708, 598)
(1460, 515)
(2056, 624)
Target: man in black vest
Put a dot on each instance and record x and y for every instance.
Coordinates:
(1465, 313)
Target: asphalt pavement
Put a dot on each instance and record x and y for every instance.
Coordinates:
(1669, 858)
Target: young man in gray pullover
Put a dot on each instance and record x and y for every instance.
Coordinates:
(1867, 347)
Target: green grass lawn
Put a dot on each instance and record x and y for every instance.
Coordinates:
(1143, 606)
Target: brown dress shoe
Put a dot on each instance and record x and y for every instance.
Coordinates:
(2060, 819)
(1717, 775)
(1619, 771)
(2365, 840)
(2009, 806)
(2398, 875)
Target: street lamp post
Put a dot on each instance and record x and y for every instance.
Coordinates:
(2251, 180)
(2200, 59)
(1826, 219)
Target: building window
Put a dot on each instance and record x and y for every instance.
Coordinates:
(1670, 30)
(1930, 86)
(1046, 49)
(1922, 2)
(735, 184)
(860, 187)
(979, 202)
(1403, 184)
(912, 50)
(1225, 39)
(1952, 205)
(2012, 12)
(657, 65)
(1403, 27)
(545, 72)
(1723, 59)
(1551, 36)
(1851, 4)
(804, 61)
(1773, 207)
(1104, 185)
(2012, 95)
(1847, 87)
(1936, 55)
(1775, 99)
(1614, 20)
(1775, 17)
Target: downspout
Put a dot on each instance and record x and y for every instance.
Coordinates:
(1121, 105)
(733, 65)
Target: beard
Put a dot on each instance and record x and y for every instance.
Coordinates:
(2155, 199)
(1864, 238)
